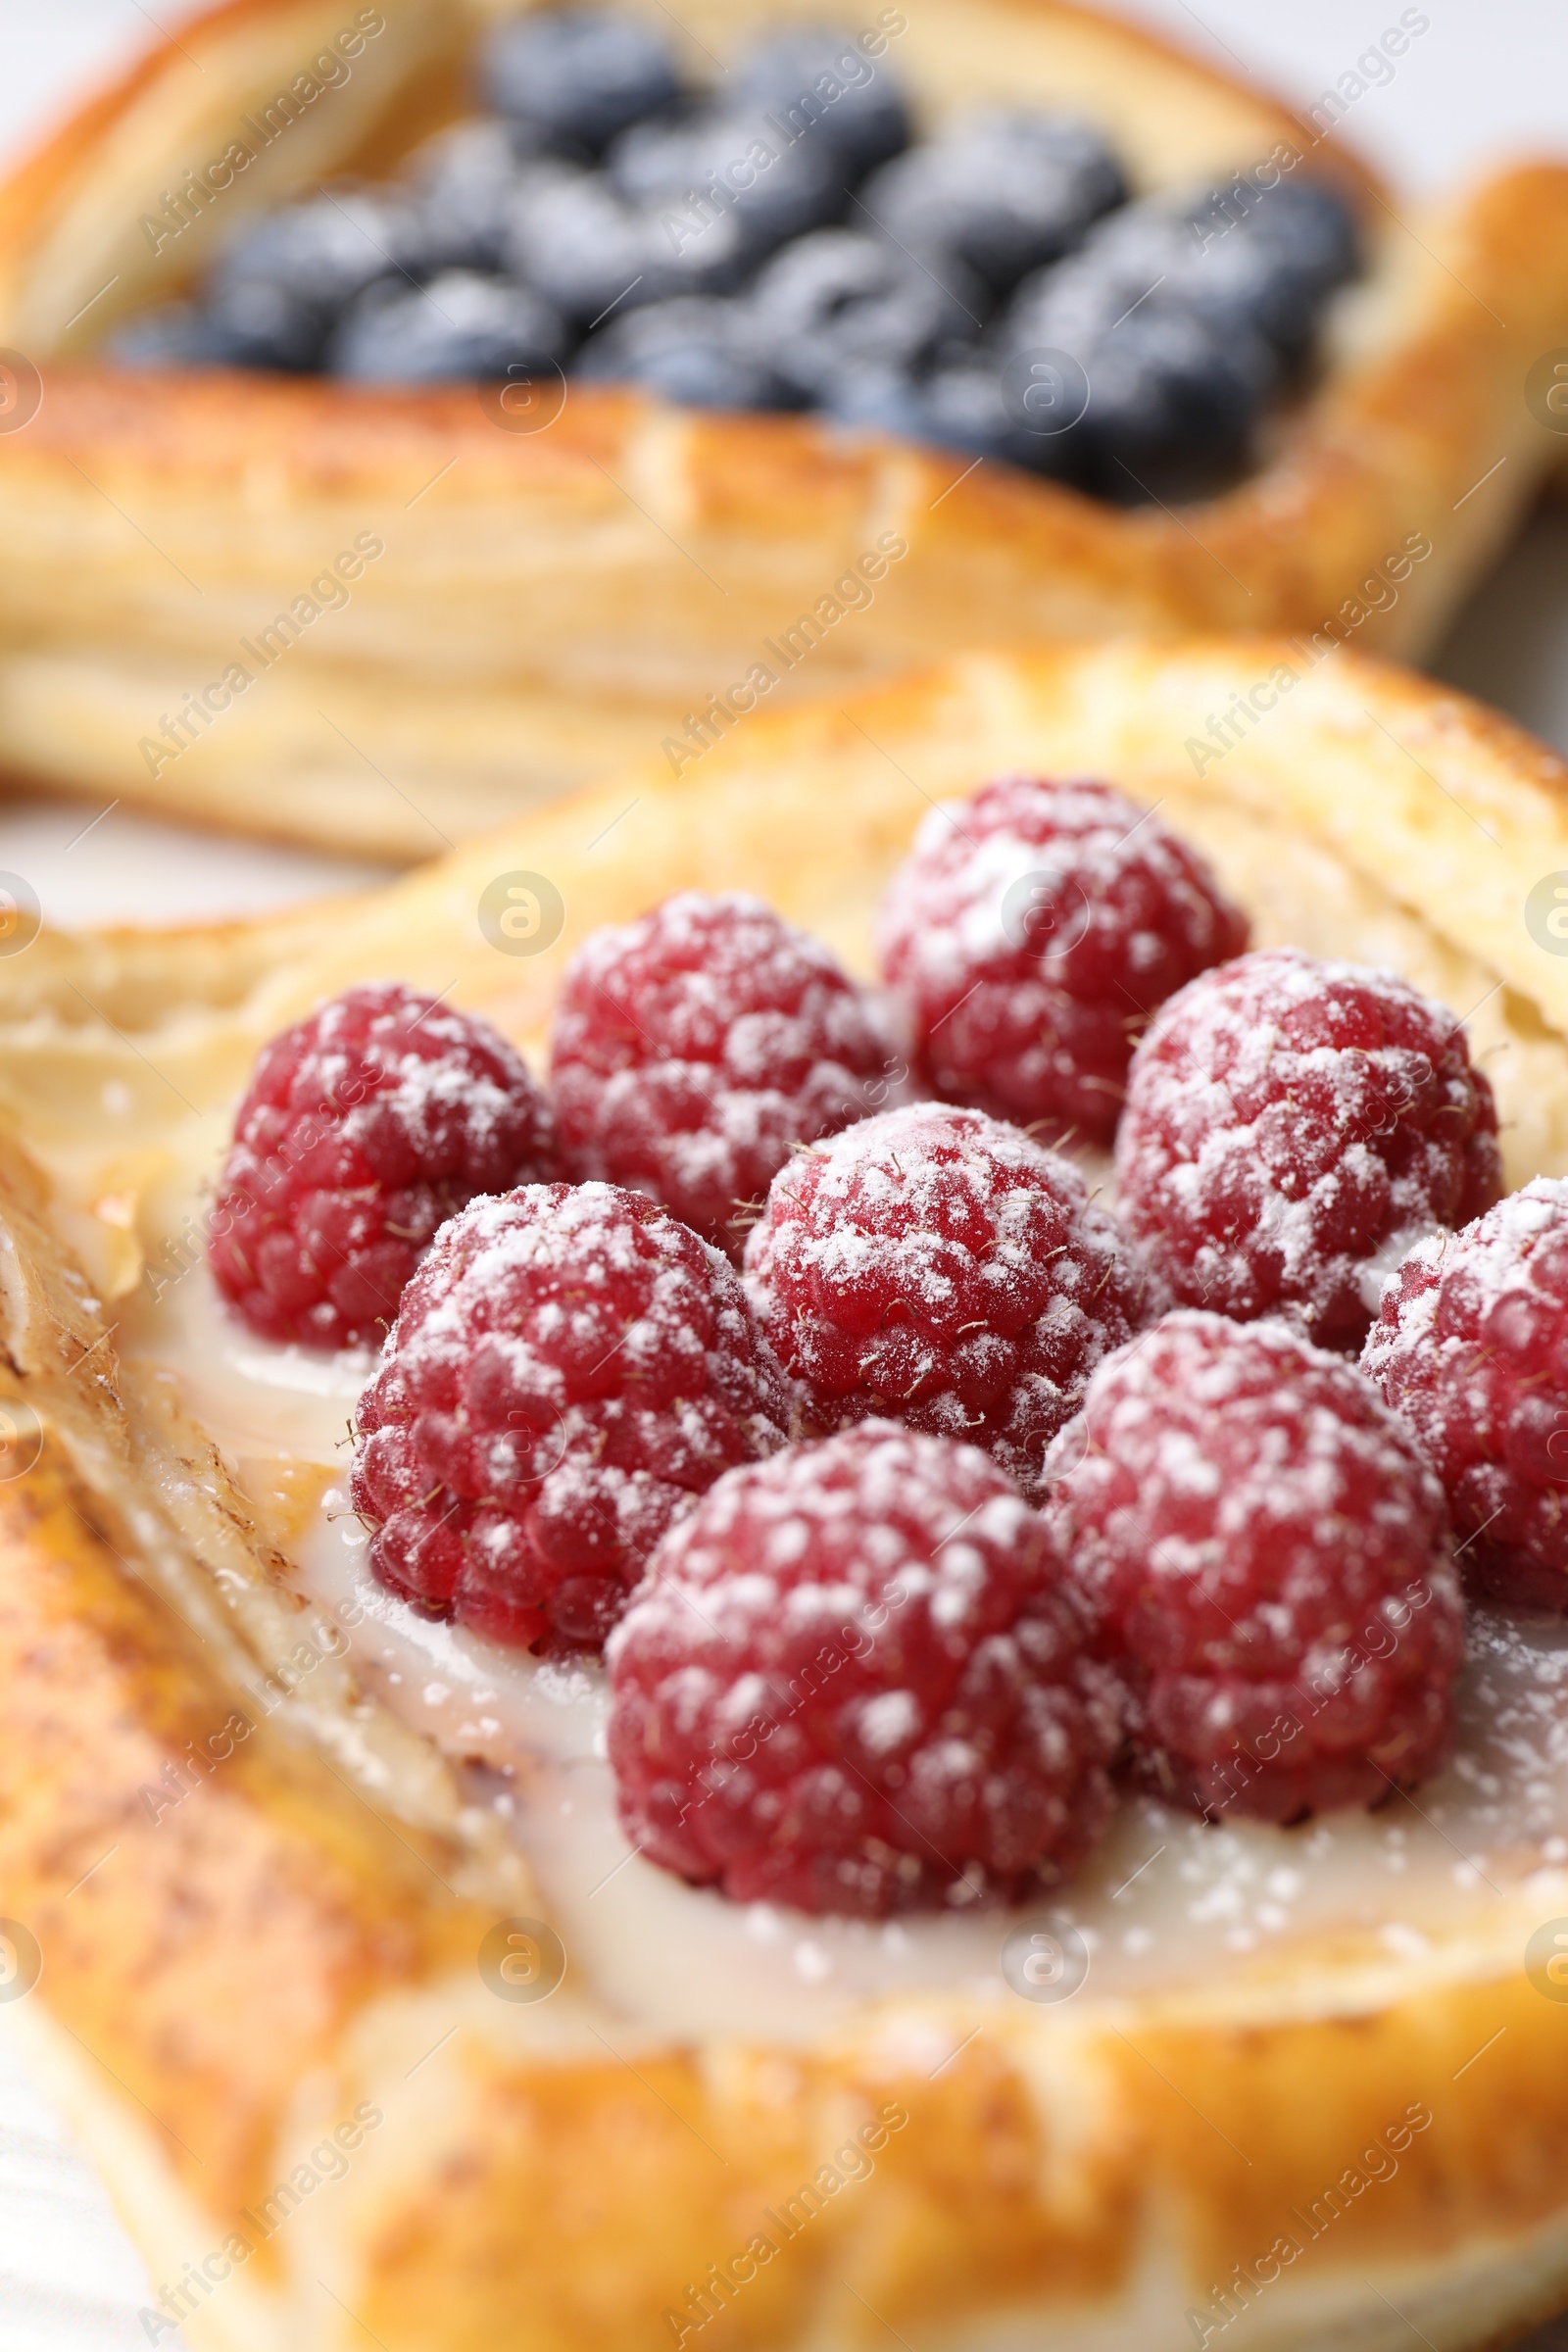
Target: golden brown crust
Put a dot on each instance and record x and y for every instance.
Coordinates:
(270, 1893)
(651, 557)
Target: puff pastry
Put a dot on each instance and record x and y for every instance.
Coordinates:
(544, 604)
(261, 1895)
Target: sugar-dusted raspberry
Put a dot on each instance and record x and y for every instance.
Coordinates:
(1032, 932)
(571, 1367)
(851, 1683)
(1291, 1128)
(935, 1265)
(695, 1049)
(1471, 1346)
(365, 1128)
(1264, 1557)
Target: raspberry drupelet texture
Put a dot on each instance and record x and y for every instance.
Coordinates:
(365, 1128)
(694, 1049)
(1291, 1128)
(1031, 934)
(851, 1683)
(571, 1367)
(936, 1266)
(1471, 1346)
(1264, 1557)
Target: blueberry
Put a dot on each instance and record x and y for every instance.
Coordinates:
(960, 404)
(460, 325)
(1265, 268)
(819, 80)
(574, 78)
(1306, 237)
(1003, 192)
(966, 407)
(466, 181)
(254, 323)
(322, 252)
(176, 335)
(699, 351)
(881, 397)
(1174, 394)
(837, 301)
(570, 236)
(590, 253)
(728, 161)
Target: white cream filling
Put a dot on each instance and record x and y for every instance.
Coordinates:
(251, 1395)
(1167, 1901)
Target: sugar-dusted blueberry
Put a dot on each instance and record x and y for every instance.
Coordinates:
(181, 335)
(467, 182)
(840, 301)
(695, 349)
(591, 252)
(572, 77)
(1175, 397)
(321, 252)
(820, 84)
(714, 159)
(460, 325)
(1002, 191)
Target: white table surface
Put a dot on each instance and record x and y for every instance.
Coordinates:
(1484, 83)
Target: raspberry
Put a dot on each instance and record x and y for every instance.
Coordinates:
(693, 1049)
(1032, 932)
(571, 1367)
(1264, 1557)
(1292, 1127)
(851, 1683)
(363, 1130)
(936, 1265)
(1472, 1347)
